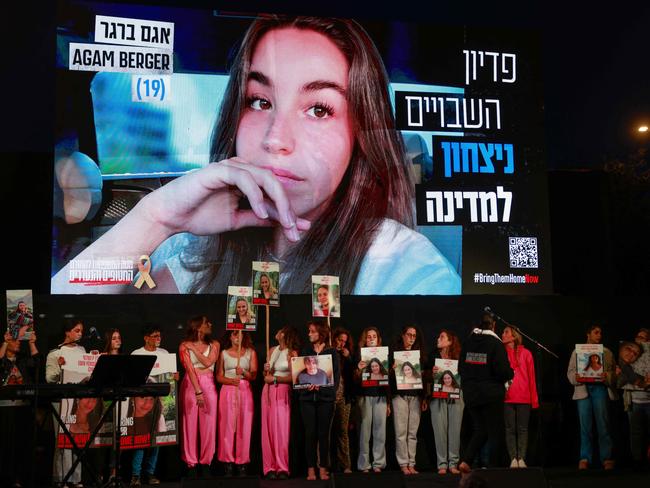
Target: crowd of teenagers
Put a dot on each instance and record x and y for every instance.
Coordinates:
(498, 393)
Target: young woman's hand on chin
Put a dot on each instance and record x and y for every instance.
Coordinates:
(206, 201)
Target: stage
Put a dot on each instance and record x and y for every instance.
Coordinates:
(563, 477)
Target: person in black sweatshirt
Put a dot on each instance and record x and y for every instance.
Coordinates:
(485, 369)
(317, 404)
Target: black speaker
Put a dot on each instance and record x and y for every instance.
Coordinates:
(221, 482)
(385, 479)
(506, 478)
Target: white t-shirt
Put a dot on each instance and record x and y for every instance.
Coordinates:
(143, 352)
(399, 261)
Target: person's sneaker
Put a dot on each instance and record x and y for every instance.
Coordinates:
(283, 475)
(271, 475)
(135, 481)
(152, 480)
(522, 463)
(514, 463)
(242, 470)
(227, 468)
(583, 464)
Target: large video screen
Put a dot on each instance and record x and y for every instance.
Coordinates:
(402, 158)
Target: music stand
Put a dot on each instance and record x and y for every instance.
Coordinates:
(120, 371)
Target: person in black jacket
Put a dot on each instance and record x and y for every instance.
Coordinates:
(485, 369)
(317, 404)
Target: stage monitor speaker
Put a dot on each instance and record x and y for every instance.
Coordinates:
(222, 482)
(387, 479)
(510, 478)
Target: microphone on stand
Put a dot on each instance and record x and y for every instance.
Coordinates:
(93, 333)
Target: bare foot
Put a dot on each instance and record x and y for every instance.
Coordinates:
(347, 471)
(412, 470)
(377, 470)
(311, 474)
(442, 471)
(324, 475)
(406, 471)
(464, 468)
(454, 470)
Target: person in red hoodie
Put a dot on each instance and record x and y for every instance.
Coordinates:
(521, 396)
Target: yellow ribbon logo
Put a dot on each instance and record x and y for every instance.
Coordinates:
(144, 267)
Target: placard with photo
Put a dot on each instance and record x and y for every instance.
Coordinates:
(375, 366)
(266, 283)
(20, 314)
(408, 371)
(240, 314)
(312, 370)
(590, 362)
(325, 296)
(446, 382)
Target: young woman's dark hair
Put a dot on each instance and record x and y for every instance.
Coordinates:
(226, 342)
(70, 324)
(291, 338)
(193, 326)
(377, 172)
(454, 348)
(382, 370)
(364, 333)
(108, 340)
(398, 344)
(416, 374)
(153, 415)
(323, 330)
(349, 344)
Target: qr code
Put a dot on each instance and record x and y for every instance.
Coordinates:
(523, 252)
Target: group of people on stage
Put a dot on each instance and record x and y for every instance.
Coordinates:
(630, 375)
(498, 391)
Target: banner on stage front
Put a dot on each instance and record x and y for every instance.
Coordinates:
(240, 315)
(152, 421)
(446, 381)
(325, 296)
(20, 314)
(266, 283)
(589, 363)
(312, 370)
(374, 366)
(81, 415)
(408, 371)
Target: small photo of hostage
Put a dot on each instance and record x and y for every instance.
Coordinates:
(312, 370)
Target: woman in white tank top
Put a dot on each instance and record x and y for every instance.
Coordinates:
(198, 353)
(276, 404)
(235, 370)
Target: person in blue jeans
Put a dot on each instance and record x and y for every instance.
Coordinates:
(152, 339)
(592, 401)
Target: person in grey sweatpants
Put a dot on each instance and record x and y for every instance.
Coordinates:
(446, 419)
(374, 406)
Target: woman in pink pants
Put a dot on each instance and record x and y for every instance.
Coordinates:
(198, 353)
(237, 367)
(276, 404)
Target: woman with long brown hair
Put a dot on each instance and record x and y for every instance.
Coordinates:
(198, 395)
(276, 404)
(446, 413)
(374, 406)
(307, 169)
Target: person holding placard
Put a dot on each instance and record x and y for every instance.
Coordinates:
(17, 367)
(407, 404)
(72, 334)
(198, 353)
(148, 457)
(447, 413)
(374, 407)
(591, 398)
(484, 368)
(521, 396)
(236, 369)
(317, 404)
(276, 404)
